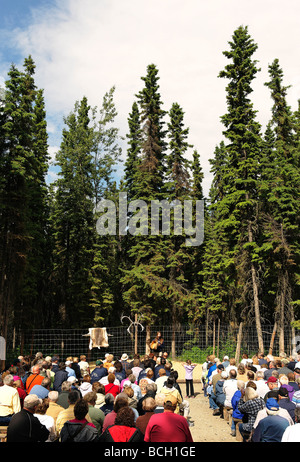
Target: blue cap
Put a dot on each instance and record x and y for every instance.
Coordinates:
(272, 404)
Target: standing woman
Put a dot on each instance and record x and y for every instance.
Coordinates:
(189, 381)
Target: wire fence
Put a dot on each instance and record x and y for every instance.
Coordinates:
(201, 340)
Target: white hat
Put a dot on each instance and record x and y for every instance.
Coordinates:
(226, 358)
(224, 375)
(297, 365)
(127, 383)
(67, 363)
(72, 379)
(124, 357)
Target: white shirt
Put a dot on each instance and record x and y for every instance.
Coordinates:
(229, 388)
(9, 401)
(262, 387)
(291, 434)
(49, 423)
(84, 366)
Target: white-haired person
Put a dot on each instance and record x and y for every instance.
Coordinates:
(10, 402)
(249, 405)
(54, 409)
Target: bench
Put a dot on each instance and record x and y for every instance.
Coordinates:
(3, 434)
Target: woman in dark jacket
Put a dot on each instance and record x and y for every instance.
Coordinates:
(124, 430)
(60, 376)
(79, 430)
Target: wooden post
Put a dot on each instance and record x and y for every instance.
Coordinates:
(238, 343)
(135, 335)
(214, 338)
(218, 344)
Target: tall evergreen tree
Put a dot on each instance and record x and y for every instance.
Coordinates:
(105, 270)
(143, 287)
(73, 218)
(281, 197)
(23, 166)
(133, 152)
(242, 203)
(33, 296)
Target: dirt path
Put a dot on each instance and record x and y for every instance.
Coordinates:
(207, 428)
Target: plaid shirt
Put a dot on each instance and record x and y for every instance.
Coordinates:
(250, 409)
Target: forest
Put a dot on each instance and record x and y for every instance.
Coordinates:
(57, 270)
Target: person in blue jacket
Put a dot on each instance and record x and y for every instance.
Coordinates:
(237, 416)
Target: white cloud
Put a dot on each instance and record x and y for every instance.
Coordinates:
(84, 48)
(52, 150)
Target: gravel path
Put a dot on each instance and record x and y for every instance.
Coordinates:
(207, 428)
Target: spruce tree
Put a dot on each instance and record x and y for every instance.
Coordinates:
(133, 152)
(244, 143)
(281, 199)
(105, 270)
(73, 218)
(23, 167)
(142, 280)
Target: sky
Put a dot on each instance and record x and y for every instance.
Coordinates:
(83, 48)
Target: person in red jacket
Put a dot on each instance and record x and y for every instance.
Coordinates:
(111, 387)
(168, 427)
(124, 430)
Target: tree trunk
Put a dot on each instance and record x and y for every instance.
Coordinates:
(214, 338)
(272, 339)
(206, 328)
(238, 343)
(218, 342)
(256, 298)
(173, 342)
(293, 345)
(282, 300)
(148, 338)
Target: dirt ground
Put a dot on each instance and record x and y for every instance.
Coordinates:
(207, 428)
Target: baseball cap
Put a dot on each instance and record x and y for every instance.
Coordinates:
(283, 392)
(99, 362)
(272, 404)
(171, 399)
(272, 379)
